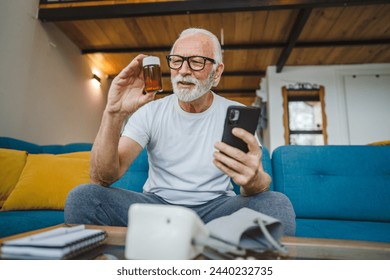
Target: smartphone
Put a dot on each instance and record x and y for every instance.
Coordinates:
(243, 117)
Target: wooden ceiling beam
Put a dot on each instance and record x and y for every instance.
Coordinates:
(168, 48)
(307, 44)
(343, 43)
(45, 13)
(298, 26)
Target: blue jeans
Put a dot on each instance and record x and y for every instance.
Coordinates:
(93, 204)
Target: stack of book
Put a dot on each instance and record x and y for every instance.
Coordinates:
(58, 243)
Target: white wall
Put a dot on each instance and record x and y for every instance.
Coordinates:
(368, 108)
(333, 79)
(46, 94)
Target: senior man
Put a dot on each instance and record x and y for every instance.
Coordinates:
(189, 165)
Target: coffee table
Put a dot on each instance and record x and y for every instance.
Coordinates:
(298, 247)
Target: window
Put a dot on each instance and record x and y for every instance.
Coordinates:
(304, 115)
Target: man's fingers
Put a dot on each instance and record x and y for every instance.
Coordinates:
(230, 151)
(229, 162)
(228, 171)
(247, 137)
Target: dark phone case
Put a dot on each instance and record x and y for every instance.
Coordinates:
(248, 119)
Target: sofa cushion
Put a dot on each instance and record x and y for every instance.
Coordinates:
(11, 166)
(47, 179)
(14, 222)
(335, 182)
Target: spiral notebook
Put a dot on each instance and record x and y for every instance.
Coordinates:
(59, 243)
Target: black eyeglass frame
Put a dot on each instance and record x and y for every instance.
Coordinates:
(187, 58)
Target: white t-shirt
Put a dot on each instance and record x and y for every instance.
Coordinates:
(180, 149)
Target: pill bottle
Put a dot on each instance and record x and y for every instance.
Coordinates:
(152, 73)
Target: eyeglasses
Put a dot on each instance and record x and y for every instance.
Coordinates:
(196, 63)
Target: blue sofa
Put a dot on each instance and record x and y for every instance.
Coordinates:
(340, 192)
(337, 191)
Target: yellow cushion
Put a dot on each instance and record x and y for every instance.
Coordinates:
(380, 143)
(11, 165)
(47, 179)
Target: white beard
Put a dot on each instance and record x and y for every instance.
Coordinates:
(200, 88)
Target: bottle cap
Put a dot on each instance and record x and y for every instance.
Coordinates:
(151, 60)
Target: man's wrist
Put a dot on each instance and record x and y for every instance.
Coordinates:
(115, 115)
(260, 183)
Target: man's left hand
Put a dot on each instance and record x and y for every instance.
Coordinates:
(245, 169)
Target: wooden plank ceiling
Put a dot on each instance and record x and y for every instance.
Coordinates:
(254, 34)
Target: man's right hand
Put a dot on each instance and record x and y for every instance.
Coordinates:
(126, 94)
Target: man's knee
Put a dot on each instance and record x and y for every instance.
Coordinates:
(277, 205)
(79, 201)
(80, 194)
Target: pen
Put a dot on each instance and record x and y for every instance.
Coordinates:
(56, 232)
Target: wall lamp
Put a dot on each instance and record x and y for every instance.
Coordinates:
(96, 80)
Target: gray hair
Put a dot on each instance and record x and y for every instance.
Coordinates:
(214, 39)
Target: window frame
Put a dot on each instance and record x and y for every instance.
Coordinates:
(303, 95)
